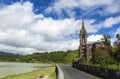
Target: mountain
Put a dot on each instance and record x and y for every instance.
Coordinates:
(5, 53)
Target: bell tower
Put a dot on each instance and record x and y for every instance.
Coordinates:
(83, 40)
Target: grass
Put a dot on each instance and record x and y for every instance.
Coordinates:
(112, 66)
(48, 73)
(70, 56)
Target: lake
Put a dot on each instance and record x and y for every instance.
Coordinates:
(7, 69)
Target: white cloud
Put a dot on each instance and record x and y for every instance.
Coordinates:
(94, 38)
(113, 39)
(53, 28)
(17, 50)
(90, 27)
(87, 6)
(22, 31)
(117, 31)
(109, 22)
(16, 14)
(113, 8)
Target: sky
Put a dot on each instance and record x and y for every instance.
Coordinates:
(28, 26)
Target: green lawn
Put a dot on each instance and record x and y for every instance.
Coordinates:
(113, 66)
(48, 73)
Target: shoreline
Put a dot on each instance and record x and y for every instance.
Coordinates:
(39, 73)
(2, 76)
(13, 68)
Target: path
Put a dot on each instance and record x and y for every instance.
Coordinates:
(72, 73)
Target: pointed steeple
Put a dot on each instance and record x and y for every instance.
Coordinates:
(83, 40)
(83, 30)
(83, 27)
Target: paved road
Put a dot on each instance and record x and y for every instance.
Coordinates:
(72, 73)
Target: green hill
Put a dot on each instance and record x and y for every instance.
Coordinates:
(52, 57)
(70, 56)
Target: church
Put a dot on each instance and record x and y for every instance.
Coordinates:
(86, 50)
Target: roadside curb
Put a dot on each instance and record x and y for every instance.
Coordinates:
(59, 73)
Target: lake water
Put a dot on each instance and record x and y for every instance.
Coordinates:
(7, 69)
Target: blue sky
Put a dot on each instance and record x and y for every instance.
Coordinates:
(29, 26)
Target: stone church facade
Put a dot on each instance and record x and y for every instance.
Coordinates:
(87, 50)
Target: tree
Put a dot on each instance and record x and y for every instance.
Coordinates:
(102, 57)
(118, 36)
(106, 41)
(116, 49)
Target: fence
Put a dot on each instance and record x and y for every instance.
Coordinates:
(102, 72)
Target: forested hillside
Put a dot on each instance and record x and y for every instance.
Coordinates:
(52, 57)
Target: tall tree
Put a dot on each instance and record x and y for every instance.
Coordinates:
(117, 48)
(118, 36)
(106, 41)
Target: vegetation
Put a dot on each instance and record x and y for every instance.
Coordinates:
(52, 57)
(69, 56)
(106, 40)
(116, 49)
(102, 57)
(47, 73)
(108, 56)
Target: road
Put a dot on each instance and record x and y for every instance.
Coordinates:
(72, 73)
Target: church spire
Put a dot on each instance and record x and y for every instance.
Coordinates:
(83, 41)
(83, 26)
(83, 30)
